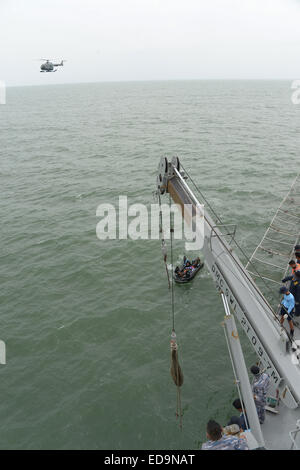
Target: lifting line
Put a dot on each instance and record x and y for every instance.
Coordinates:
(163, 243)
(175, 370)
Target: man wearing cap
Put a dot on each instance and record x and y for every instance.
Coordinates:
(260, 386)
(288, 304)
(218, 441)
(295, 290)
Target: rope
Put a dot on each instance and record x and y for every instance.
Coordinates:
(175, 368)
(163, 244)
(172, 285)
(176, 372)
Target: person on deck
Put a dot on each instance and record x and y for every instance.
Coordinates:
(295, 266)
(288, 304)
(295, 290)
(260, 386)
(240, 420)
(297, 248)
(217, 441)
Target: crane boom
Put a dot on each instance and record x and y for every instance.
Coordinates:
(251, 308)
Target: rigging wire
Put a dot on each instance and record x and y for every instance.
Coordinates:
(175, 367)
(172, 284)
(236, 243)
(175, 370)
(245, 255)
(163, 243)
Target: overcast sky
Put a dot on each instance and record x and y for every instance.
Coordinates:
(112, 40)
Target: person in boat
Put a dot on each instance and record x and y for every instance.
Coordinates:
(218, 441)
(197, 261)
(185, 261)
(260, 387)
(189, 268)
(288, 304)
(186, 264)
(294, 289)
(192, 266)
(187, 271)
(240, 420)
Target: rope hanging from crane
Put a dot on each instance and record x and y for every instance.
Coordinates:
(163, 243)
(176, 371)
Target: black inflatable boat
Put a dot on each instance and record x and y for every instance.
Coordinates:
(189, 275)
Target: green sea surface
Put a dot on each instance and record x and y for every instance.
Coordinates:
(86, 322)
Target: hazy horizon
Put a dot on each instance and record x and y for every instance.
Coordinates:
(159, 80)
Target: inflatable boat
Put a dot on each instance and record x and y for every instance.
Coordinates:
(189, 275)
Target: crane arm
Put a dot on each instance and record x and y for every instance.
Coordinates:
(253, 311)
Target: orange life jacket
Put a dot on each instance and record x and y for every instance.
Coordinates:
(296, 268)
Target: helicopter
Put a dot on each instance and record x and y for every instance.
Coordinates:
(48, 66)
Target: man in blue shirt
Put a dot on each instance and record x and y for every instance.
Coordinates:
(294, 289)
(218, 441)
(288, 304)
